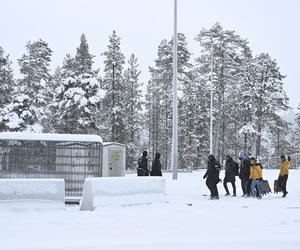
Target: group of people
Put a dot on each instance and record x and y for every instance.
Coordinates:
(249, 172)
(143, 168)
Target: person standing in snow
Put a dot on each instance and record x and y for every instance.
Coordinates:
(156, 166)
(212, 176)
(231, 170)
(142, 169)
(244, 174)
(256, 177)
(283, 174)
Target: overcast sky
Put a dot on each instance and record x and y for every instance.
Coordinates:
(270, 26)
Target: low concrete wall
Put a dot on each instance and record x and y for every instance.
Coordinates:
(122, 191)
(32, 193)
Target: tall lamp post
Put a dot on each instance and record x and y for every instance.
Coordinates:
(211, 100)
(174, 158)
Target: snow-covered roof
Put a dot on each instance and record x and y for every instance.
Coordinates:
(113, 143)
(49, 137)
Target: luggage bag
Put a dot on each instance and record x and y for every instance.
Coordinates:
(277, 187)
(264, 187)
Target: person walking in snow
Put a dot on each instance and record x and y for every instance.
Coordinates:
(212, 176)
(231, 170)
(256, 177)
(283, 174)
(156, 166)
(142, 169)
(244, 174)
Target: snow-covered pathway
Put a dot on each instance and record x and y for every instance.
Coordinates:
(228, 223)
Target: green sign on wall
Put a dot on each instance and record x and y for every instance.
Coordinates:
(116, 155)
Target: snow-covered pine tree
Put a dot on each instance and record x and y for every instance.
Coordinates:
(279, 129)
(159, 96)
(59, 79)
(6, 86)
(298, 116)
(193, 120)
(28, 107)
(237, 104)
(161, 90)
(132, 109)
(152, 106)
(77, 100)
(193, 129)
(245, 109)
(20, 115)
(113, 85)
(224, 51)
(268, 94)
(56, 81)
(295, 132)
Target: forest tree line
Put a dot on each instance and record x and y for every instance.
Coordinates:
(248, 97)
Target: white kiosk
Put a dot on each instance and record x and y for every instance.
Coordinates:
(114, 159)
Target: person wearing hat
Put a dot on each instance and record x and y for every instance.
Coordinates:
(255, 176)
(284, 173)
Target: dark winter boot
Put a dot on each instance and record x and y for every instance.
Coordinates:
(284, 194)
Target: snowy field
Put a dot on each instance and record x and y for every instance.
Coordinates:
(228, 223)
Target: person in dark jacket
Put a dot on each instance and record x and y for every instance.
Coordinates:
(231, 170)
(156, 166)
(244, 174)
(212, 176)
(142, 169)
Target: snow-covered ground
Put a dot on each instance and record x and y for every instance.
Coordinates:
(228, 223)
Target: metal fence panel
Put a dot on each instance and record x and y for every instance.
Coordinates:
(72, 161)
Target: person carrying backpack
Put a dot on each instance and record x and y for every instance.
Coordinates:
(142, 169)
(231, 170)
(284, 173)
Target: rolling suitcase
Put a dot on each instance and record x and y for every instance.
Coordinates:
(264, 187)
(277, 187)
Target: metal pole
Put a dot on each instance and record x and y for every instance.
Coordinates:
(211, 101)
(174, 159)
